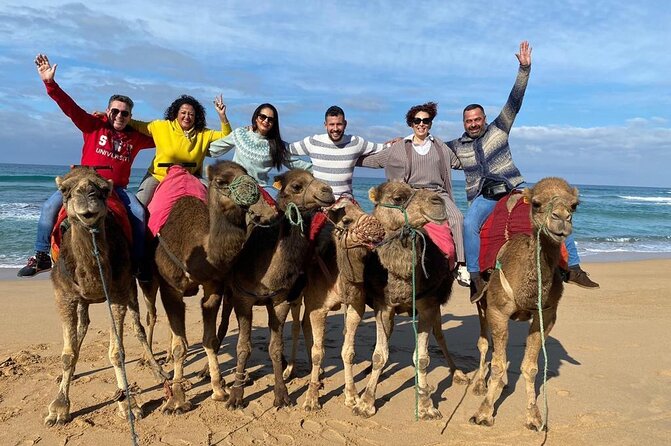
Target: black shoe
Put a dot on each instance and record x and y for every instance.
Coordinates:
(476, 286)
(144, 274)
(39, 263)
(579, 277)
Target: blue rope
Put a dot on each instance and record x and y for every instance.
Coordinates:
(122, 355)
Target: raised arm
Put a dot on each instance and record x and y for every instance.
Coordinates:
(83, 120)
(509, 112)
(220, 107)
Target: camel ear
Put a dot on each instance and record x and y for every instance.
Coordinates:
(526, 195)
(59, 182)
(372, 195)
(208, 172)
(279, 181)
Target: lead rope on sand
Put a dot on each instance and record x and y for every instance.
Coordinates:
(413, 235)
(122, 355)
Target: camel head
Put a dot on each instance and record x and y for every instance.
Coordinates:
(352, 226)
(232, 190)
(298, 186)
(85, 195)
(420, 205)
(553, 203)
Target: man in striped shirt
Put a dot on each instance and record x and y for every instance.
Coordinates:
(334, 154)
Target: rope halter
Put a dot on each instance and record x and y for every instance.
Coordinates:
(243, 190)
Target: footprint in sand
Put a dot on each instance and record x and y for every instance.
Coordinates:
(563, 393)
(664, 373)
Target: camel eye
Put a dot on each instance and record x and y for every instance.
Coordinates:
(221, 182)
(398, 199)
(536, 204)
(574, 206)
(296, 187)
(347, 220)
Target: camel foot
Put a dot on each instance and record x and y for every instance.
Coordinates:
(460, 378)
(534, 421)
(430, 413)
(59, 411)
(134, 408)
(365, 407)
(282, 398)
(204, 373)
(175, 402)
(235, 398)
(482, 420)
(219, 395)
(351, 397)
(479, 387)
(312, 397)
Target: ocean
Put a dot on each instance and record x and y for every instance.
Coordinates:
(612, 222)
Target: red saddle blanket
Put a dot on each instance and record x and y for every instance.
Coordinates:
(114, 205)
(505, 221)
(178, 183)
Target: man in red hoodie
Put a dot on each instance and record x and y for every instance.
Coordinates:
(108, 142)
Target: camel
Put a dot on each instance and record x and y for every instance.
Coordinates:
(336, 279)
(512, 293)
(266, 270)
(389, 275)
(81, 278)
(216, 234)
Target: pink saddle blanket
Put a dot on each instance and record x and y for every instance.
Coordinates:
(441, 235)
(177, 183)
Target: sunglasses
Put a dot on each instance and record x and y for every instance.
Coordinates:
(263, 117)
(418, 121)
(116, 111)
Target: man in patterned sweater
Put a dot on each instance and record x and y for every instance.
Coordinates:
(335, 154)
(490, 172)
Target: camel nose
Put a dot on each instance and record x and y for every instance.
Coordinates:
(436, 200)
(562, 214)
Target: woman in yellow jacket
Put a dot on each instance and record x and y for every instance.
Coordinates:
(180, 138)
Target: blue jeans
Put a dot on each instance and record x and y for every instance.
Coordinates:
(478, 212)
(52, 206)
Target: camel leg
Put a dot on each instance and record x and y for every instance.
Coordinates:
(125, 404)
(479, 385)
(175, 309)
(243, 312)
(141, 335)
(314, 321)
(59, 409)
(277, 316)
(210, 306)
(226, 310)
(530, 367)
(353, 315)
(384, 321)
(295, 334)
(484, 416)
(83, 322)
(458, 376)
(428, 313)
(149, 291)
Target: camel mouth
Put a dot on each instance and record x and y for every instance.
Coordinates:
(88, 217)
(557, 236)
(324, 203)
(437, 219)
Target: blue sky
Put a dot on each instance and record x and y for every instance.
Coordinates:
(596, 109)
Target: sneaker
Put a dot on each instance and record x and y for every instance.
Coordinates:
(579, 277)
(463, 277)
(39, 263)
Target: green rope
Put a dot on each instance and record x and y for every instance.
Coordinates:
(244, 190)
(413, 233)
(542, 328)
(122, 355)
(294, 216)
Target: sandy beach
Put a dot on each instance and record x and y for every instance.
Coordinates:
(608, 379)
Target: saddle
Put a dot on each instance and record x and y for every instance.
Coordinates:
(511, 216)
(178, 183)
(114, 206)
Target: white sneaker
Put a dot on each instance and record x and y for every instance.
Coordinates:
(463, 277)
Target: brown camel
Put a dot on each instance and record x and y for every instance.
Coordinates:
(215, 234)
(335, 279)
(266, 270)
(512, 293)
(78, 283)
(389, 276)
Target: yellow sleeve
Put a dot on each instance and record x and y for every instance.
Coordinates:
(142, 126)
(213, 135)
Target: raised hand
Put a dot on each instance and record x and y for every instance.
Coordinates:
(44, 68)
(524, 56)
(220, 107)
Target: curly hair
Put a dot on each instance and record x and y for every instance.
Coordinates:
(278, 151)
(430, 107)
(172, 111)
